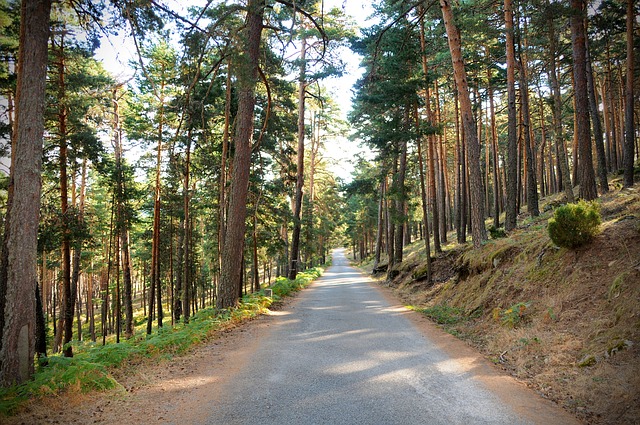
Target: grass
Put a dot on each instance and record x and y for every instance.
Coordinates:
(443, 314)
(92, 367)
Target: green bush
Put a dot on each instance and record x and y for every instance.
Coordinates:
(443, 314)
(497, 232)
(573, 225)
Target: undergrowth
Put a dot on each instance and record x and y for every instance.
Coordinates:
(91, 367)
(443, 314)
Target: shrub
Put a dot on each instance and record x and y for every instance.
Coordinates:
(574, 225)
(513, 316)
(497, 232)
(443, 314)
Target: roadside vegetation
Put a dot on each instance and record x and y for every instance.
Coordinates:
(564, 321)
(97, 367)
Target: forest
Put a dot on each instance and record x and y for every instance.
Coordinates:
(133, 204)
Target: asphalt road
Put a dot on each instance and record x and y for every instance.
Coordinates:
(343, 354)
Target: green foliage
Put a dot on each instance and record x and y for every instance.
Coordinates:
(444, 314)
(90, 368)
(497, 232)
(574, 225)
(284, 286)
(513, 316)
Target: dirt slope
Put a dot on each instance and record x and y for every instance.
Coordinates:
(567, 323)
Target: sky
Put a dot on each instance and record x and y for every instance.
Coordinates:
(116, 52)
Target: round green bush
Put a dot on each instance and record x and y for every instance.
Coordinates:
(574, 225)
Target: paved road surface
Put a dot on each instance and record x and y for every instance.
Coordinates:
(343, 354)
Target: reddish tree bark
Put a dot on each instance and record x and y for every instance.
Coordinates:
(19, 257)
(232, 249)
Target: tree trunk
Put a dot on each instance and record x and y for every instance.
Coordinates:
(511, 207)
(186, 228)
(18, 273)
(154, 289)
(68, 302)
(588, 190)
(379, 230)
(232, 250)
(494, 151)
(532, 181)
(595, 122)
(123, 222)
(77, 251)
(431, 141)
(473, 148)
(425, 208)
(400, 202)
(563, 169)
(222, 208)
(295, 238)
(610, 109)
(629, 127)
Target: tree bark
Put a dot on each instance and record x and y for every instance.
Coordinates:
(425, 206)
(478, 230)
(19, 252)
(595, 122)
(561, 149)
(232, 250)
(68, 302)
(400, 203)
(297, 210)
(588, 190)
(186, 228)
(511, 207)
(532, 181)
(629, 127)
(379, 231)
(494, 152)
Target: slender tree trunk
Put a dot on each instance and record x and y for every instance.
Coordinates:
(122, 220)
(494, 152)
(379, 231)
(431, 142)
(473, 148)
(232, 250)
(154, 289)
(461, 195)
(443, 174)
(612, 113)
(77, 251)
(588, 190)
(629, 127)
(561, 149)
(425, 207)
(254, 264)
(90, 308)
(511, 207)
(186, 228)
(68, 302)
(595, 122)
(400, 203)
(391, 221)
(532, 181)
(222, 208)
(295, 238)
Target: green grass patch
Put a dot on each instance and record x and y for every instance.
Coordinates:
(92, 366)
(443, 314)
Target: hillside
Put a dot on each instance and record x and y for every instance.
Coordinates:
(565, 322)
